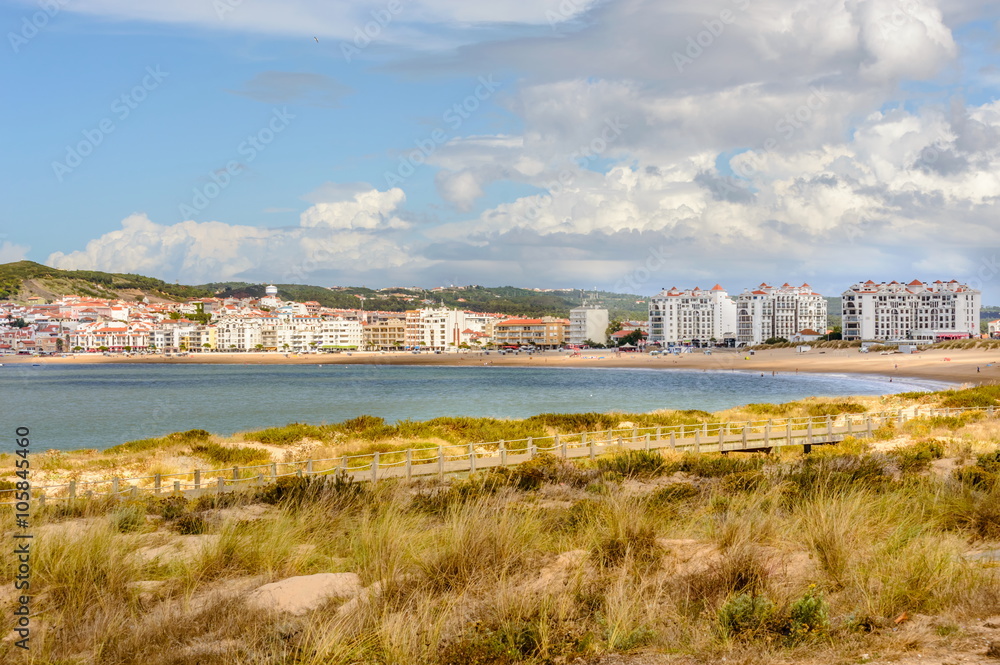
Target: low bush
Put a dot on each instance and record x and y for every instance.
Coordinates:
(230, 454)
(190, 524)
(715, 466)
(287, 435)
(746, 617)
(918, 456)
(809, 616)
(634, 464)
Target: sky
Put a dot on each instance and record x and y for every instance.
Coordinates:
(629, 145)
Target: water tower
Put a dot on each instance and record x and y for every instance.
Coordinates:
(271, 291)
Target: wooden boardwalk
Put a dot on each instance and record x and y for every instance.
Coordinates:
(739, 437)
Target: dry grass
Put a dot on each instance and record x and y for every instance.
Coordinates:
(784, 558)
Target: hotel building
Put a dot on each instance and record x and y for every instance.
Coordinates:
(691, 316)
(918, 311)
(783, 311)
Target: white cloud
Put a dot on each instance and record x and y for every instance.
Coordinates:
(336, 239)
(9, 252)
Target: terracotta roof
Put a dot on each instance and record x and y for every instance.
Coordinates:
(718, 287)
(915, 282)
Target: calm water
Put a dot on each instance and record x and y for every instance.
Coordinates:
(96, 406)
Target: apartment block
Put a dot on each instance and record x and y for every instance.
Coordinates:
(918, 311)
(784, 311)
(588, 322)
(692, 316)
(547, 332)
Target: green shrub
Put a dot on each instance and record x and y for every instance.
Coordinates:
(295, 491)
(809, 616)
(544, 468)
(229, 454)
(171, 507)
(980, 396)
(190, 524)
(634, 464)
(176, 438)
(672, 494)
(743, 481)
(746, 617)
(918, 456)
(287, 435)
(714, 466)
(128, 518)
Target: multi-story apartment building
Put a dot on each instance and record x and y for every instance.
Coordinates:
(547, 332)
(384, 334)
(692, 316)
(240, 333)
(783, 311)
(587, 322)
(919, 311)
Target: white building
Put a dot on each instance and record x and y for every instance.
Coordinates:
(587, 322)
(993, 328)
(784, 311)
(916, 311)
(691, 316)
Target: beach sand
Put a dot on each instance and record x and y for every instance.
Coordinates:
(949, 365)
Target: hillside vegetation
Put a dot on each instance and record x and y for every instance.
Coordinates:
(23, 279)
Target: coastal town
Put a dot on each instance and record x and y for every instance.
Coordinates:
(915, 312)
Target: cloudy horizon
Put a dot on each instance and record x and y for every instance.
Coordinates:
(625, 145)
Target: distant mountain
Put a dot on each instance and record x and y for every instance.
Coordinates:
(24, 279)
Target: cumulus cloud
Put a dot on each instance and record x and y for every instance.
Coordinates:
(9, 252)
(341, 238)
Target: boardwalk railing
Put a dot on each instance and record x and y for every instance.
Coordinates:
(748, 436)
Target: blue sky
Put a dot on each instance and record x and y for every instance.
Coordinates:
(536, 144)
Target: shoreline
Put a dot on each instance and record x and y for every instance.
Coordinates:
(952, 366)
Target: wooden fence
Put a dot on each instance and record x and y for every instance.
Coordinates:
(750, 436)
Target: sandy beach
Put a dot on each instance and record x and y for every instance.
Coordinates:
(973, 366)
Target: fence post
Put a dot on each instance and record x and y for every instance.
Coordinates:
(647, 441)
(309, 467)
(298, 473)
(274, 472)
(789, 429)
(441, 462)
(260, 480)
(673, 440)
(222, 484)
(236, 473)
(72, 489)
(177, 487)
(869, 420)
(472, 459)
(902, 416)
(375, 467)
(114, 487)
(722, 438)
(659, 432)
(409, 464)
(809, 431)
(562, 447)
(697, 440)
(157, 482)
(767, 434)
(197, 479)
(531, 448)
(591, 444)
(133, 492)
(850, 424)
(503, 453)
(635, 435)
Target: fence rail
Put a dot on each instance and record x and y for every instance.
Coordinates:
(746, 436)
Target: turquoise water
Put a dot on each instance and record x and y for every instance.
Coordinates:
(96, 406)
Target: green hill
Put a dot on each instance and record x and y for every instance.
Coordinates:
(23, 279)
